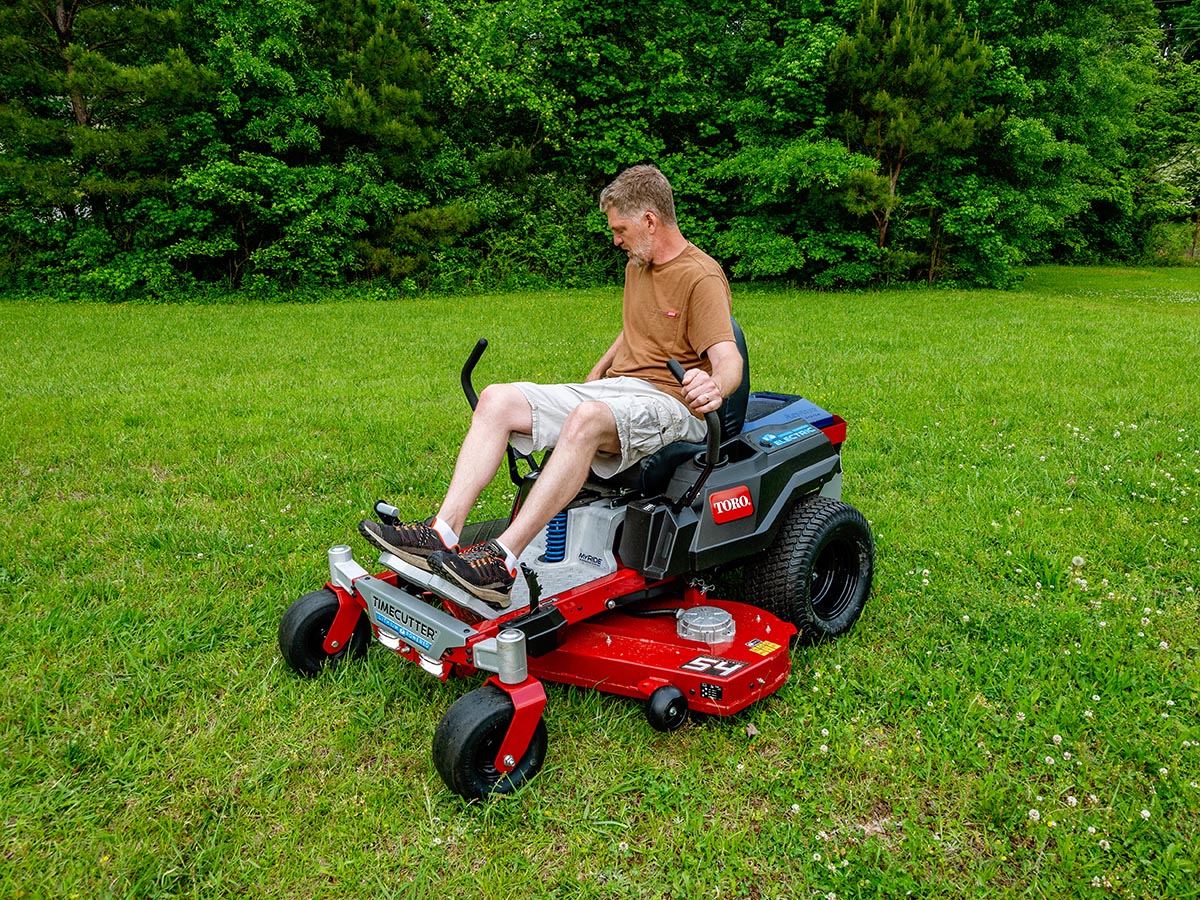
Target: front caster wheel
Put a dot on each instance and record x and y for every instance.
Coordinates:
(667, 708)
(303, 630)
(469, 737)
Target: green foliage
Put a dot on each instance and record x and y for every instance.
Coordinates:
(1170, 125)
(156, 148)
(97, 106)
(257, 207)
(1179, 25)
(790, 195)
(1086, 68)
(906, 84)
(378, 59)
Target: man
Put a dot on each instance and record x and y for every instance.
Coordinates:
(676, 305)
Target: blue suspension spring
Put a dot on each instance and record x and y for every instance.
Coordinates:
(556, 539)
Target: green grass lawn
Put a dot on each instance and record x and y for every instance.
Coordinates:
(1015, 713)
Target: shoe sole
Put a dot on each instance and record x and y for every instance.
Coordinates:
(487, 595)
(421, 562)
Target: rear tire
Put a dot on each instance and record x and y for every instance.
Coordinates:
(303, 630)
(817, 573)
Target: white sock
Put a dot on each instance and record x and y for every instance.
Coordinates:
(510, 558)
(445, 532)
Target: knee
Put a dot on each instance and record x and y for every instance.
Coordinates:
(496, 396)
(502, 406)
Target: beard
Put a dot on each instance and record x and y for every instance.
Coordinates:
(640, 253)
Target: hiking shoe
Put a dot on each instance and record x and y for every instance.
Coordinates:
(411, 541)
(481, 569)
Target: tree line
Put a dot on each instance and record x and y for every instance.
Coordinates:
(154, 148)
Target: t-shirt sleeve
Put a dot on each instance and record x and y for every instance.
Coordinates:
(709, 314)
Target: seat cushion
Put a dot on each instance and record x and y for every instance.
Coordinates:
(651, 475)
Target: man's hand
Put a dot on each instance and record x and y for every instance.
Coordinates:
(701, 392)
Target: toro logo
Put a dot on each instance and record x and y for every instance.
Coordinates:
(730, 505)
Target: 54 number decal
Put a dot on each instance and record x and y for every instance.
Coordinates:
(713, 666)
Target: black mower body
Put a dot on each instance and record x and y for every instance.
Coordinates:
(789, 450)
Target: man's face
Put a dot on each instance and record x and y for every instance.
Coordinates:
(633, 236)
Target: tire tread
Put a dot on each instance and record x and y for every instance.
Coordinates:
(773, 580)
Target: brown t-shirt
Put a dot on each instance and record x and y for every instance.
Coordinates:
(676, 310)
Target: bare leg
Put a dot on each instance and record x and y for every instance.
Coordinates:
(502, 410)
(588, 429)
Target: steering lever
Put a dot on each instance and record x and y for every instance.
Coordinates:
(710, 458)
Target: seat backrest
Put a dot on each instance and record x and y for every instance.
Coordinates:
(733, 410)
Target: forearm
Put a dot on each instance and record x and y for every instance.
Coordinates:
(727, 373)
(702, 392)
(726, 364)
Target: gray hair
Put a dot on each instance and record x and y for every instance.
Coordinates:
(637, 190)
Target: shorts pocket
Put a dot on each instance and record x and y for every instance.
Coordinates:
(654, 422)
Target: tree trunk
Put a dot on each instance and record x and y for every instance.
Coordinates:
(63, 22)
(933, 256)
(893, 181)
(1195, 236)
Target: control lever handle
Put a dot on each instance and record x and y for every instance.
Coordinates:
(712, 454)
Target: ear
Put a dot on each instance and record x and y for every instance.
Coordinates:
(650, 220)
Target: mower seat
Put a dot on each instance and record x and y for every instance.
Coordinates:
(651, 475)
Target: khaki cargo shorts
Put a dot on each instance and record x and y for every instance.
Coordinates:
(647, 419)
